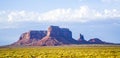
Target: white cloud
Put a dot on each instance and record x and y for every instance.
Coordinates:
(111, 13)
(109, 1)
(67, 15)
(82, 14)
(17, 16)
(53, 15)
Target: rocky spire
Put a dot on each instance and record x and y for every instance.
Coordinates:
(81, 39)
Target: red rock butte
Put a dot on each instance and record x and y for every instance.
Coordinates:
(54, 36)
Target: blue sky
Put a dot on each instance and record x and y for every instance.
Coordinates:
(92, 18)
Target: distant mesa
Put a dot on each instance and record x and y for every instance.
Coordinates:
(54, 36)
(96, 41)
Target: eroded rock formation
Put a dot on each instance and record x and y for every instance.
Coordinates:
(52, 37)
(82, 40)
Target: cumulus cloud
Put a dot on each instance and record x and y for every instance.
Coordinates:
(111, 13)
(82, 14)
(17, 16)
(66, 14)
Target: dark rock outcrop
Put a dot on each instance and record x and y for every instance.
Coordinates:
(81, 40)
(96, 41)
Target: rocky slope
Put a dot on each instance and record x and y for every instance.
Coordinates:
(52, 37)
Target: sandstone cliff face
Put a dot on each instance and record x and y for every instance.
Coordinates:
(30, 37)
(57, 36)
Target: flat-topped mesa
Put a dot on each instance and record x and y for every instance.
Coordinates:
(37, 34)
(52, 37)
(55, 31)
(30, 37)
(33, 35)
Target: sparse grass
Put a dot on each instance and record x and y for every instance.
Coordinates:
(74, 51)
